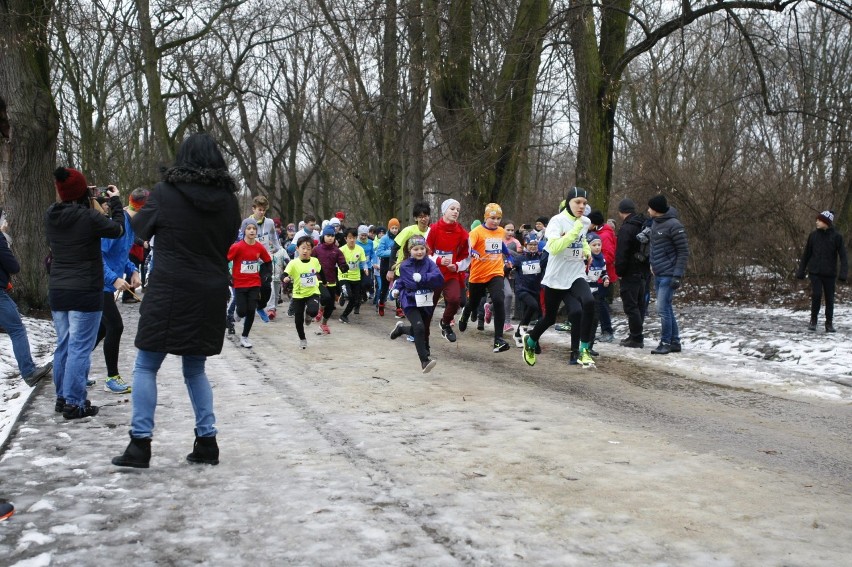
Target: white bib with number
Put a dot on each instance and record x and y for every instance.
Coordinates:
(423, 297)
(493, 246)
(249, 267)
(308, 280)
(530, 268)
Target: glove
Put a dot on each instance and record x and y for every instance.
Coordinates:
(675, 283)
(394, 293)
(416, 277)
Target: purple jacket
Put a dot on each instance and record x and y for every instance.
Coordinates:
(330, 258)
(409, 290)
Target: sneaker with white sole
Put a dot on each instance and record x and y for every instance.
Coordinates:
(529, 346)
(245, 342)
(303, 344)
(397, 330)
(263, 316)
(585, 359)
(116, 385)
(428, 365)
(500, 345)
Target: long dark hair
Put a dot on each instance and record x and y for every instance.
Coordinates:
(199, 151)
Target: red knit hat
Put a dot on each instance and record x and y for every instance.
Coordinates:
(340, 214)
(70, 184)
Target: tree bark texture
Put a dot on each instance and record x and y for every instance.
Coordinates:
(29, 190)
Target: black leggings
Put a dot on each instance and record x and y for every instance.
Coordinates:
(494, 288)
(818, 285)
(110, 331)
(420, 318)
(246, 299)
(530, 307)
(354, 291)
(580, 291)
(304, 306)
(327, 300)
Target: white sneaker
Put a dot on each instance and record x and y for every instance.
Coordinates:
(303, 344)
(245, 342)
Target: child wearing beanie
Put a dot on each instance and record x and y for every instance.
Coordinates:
(822, 251)
(383, 253)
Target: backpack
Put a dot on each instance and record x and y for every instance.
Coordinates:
(643, 253)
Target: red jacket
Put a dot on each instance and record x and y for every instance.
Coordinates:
(445, 238)
(608, 241)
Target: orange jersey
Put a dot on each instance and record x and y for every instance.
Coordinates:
(486, 249)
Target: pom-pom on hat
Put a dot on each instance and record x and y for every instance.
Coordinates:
(393, 223)
(493, 210)
(626, 206)
(827, 217)
(70, 184)
(659, 204)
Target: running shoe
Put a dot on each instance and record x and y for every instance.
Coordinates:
(381, 309)
(39, 373)
(271, 313)
(400, 314)
(519, 340)
(303, 344)
(79, 412)
(245, 342)
(606, 337)
(585, 359)
(324, 328)
(318, 318)
(480, 326)
(562, 327)
(263, 316)
(410, 338)
(508, 327)
(90, 382)
(344, 319)
(500, 345)
(462, 323)
(428, 365)
(572, 359)
(529, 350)
(487, 312)
(397, 331)
(116, 385)
(308, 321)
(447, 333)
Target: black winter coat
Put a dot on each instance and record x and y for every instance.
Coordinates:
(669, 247)
(8, 263)
(74, 233)
(194, 216)
(823, 249)
(626, 263)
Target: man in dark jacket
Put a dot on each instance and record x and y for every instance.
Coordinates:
(669, 253)
(633, 268)
(10, 319)
(822, 251)
(74, 228)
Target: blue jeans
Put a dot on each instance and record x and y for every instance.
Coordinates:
(145, 394)
(665, 293)
(76, 332)
(10, 320)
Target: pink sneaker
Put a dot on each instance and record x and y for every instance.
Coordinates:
(508, 327)
(318, 318)
(487, 313)
(325, 329)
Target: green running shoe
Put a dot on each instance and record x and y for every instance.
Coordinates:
(586, 360)
(529, 350)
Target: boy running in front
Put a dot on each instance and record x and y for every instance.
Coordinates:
(304, 272)
(247, 256)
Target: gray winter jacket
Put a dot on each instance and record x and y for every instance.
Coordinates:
(669, 247)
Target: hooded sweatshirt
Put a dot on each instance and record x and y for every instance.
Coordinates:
(330, 258)
(446, 239)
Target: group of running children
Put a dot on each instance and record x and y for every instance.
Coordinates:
(421, 263)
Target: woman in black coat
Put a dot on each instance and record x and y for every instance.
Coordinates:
(194, 215)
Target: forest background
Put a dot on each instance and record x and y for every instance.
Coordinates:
(738, 111)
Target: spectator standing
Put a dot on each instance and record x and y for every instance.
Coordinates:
(194, 213)
(823, 250)
(634, 267)
(669, 254)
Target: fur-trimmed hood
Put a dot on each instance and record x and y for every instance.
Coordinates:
(207, 189)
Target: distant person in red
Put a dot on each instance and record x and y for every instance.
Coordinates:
(247, 256)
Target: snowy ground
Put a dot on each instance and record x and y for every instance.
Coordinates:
(766, 349)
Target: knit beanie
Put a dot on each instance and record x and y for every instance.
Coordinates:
(596, 217)
(493, 210)
(626, 206)
(70, 184)
(416, 240)
(827, 217)
(447, 204)
(328, 231)
(138, 198)
(340, 215)
(393, 223)
(591, 236)
(363, 229)
(531, 238)
(659, 204)
(247, 222)
(334, 221)
(575, 192)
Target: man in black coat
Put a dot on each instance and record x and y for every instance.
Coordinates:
(822, 252)
(633, 269)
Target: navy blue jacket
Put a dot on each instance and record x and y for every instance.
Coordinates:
(669, 247)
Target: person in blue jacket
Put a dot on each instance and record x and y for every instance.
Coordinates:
(120, 274)
(419, 278)
(383, 252)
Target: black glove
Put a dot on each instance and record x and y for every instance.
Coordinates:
(675, 283)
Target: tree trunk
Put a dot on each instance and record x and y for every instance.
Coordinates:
(29, 190)
(151, 69)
